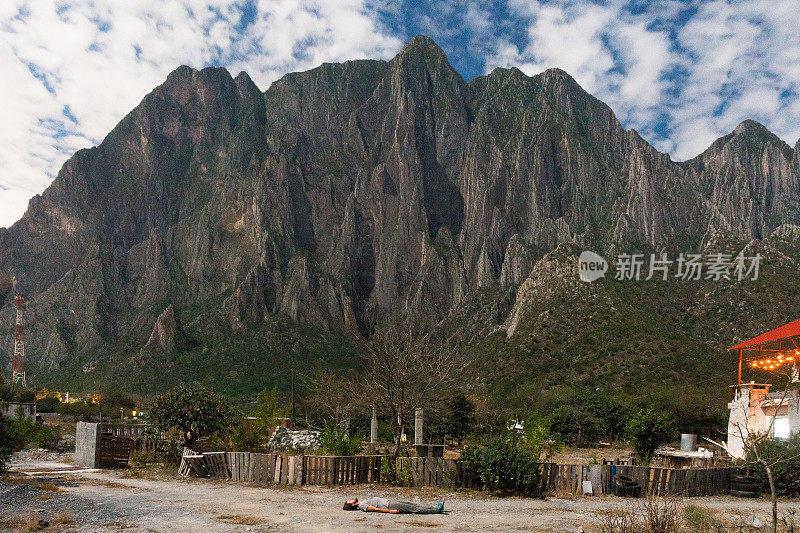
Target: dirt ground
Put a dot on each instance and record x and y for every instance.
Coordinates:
(68, 499)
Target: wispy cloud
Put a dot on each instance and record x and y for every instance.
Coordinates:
(73, 70)
(682, 72)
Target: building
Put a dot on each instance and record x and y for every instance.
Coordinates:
(755, 410)
(17, 409)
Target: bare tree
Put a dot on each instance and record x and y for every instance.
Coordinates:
(400, 373)
(331, 396)
(753, 440)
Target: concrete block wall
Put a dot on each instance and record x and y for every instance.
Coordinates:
(87, 445)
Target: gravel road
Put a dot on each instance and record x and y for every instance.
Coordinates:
(108, 501)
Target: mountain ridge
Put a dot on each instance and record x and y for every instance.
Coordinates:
(356, 194)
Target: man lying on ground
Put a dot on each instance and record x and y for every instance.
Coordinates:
(382, 505)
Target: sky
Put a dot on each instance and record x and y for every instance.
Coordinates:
(682, 73)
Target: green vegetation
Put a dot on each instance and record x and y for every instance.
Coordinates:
(784, 460)
(192, 412)
(461, 416)
(335, 441)
(509, 463)
(647, 430)
(18, 432)
(7, 441)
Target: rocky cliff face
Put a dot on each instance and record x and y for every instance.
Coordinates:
(354, 194)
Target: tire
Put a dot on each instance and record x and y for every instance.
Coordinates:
(625, 486)
(750, 480)
(744, 494)
(746, 487)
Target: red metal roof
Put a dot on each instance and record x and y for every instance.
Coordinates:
(791, 329)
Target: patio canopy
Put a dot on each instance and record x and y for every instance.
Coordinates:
(787, 331)
(772, 349)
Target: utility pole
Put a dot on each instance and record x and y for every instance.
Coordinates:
(291, 414)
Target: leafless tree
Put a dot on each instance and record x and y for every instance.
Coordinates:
(331, 396)
(752, 441)
(400, 373)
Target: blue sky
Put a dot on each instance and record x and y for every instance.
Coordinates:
(682, 73)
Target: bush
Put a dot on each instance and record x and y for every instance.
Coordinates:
(700, 519)
(784, 458)
(653, 515)
(7, 441)
(335, 441)
(25, 433)
(503, 466)
(647, 430)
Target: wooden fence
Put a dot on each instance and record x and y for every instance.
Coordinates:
(568, 479)
(429, 471)
(280, 468)
(114, 451)
(681, 482)
(341, 470)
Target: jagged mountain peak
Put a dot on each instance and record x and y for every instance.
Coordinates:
(356, 194)
(421, 45)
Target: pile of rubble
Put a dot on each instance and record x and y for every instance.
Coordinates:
(286, 439)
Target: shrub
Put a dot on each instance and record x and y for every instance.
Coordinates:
(7, 441)
(647, 430)
(653, 515)
(700, 519)
(784, 458)
(388, 470)
(337, 442)
(503, 466)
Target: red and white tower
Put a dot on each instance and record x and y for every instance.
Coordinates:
(18, 369)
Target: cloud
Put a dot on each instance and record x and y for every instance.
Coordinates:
(682, 73)
(72, 71)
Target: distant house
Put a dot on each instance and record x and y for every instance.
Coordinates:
(19, 409)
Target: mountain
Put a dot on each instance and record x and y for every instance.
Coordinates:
(353, 196)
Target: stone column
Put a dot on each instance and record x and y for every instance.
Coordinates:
(373, 427)
(418, 417)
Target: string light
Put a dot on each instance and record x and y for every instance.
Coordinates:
(771, 363)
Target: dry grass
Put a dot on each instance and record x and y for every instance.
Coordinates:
(152, 472)
(240, 519)
(652, 515)
(44, 485)
(34, 523)
(64, 519)
(419, 523)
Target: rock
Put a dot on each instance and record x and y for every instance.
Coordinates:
(168, 335)
(353, 195)
(286, 439)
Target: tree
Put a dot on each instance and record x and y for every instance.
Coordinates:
(194, 411)
(647, 430)
(759, 448)
(330, 397)
(461, 415)
(575, 424)
(400, 374)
